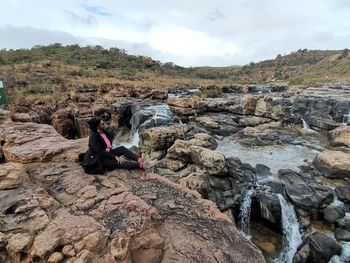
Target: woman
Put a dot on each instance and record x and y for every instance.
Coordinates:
(100, 148)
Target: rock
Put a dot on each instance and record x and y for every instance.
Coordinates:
(147, 248)
(241, 173)
(253, 121)
(211, 161)
(267, 88)
(344, 222)
(343, 193)
(333, 164)
(186, 105)
(17, 244)
(160, 138)
(322, 248)
(217, 123)
(3, 240)
(342, 234)
(63, 123)
(305, 193)
(270, 208)
(332, 213)
(55, 258)
(12, 175)
(340, 136)
(68, 251)
(31, 142)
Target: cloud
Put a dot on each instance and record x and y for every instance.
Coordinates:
(27, 37)
(89, 20)
(96, 10)
(196, 32)
(216, 14)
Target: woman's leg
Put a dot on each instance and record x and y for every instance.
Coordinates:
(121, 150)
(110, 164)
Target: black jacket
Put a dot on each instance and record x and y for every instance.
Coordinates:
(92, 163)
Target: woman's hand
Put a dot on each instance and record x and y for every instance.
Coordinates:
(120, 159)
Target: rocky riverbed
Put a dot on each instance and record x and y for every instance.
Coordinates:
(273, 159)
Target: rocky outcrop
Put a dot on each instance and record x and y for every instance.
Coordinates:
(305, 193)
(185, 106)
(333, 164)
(53, 211)
(160, 138)
(32, 142)
(340, 136)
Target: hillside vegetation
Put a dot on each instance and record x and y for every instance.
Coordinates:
(55, 68)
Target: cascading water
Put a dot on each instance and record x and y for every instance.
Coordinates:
(244, 215)
(306, 126)
(291, 234)
(344, 256)
(346, 119)
(146, 117)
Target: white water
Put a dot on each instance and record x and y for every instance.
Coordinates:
(306, 126)
(158, 114)
(291, 234)
(346, 118)
(244, 215)
(344, 256)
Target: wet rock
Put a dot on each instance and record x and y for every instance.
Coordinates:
(317, 248)
(322, 248)
(269, 208)
(218, 123)
(305, 193)
(342, 234)
(240, 172)
(343, 193)
(333, 164)
(340, 136)
(262, 170)
(332, 213)
(268, 88)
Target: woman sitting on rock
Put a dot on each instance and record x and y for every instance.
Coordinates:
(101, 156)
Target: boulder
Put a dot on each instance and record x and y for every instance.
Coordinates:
(332, 213)
(211, 161)
(333, 164)
(342, 234)
(343, 193)
(340, 136)
(161, 138)
(317, 248)
(305, 193)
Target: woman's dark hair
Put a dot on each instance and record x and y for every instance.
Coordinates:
(94, 122)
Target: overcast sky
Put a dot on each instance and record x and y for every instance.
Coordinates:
(186, 32)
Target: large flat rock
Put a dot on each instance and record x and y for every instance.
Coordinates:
(333, 164)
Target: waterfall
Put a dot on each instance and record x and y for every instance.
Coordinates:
(306, 126)
(291, 234)
(346, 119)
(244, 215)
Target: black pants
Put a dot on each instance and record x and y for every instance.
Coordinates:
(111, 164)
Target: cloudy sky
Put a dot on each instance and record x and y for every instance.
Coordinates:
(186, 32)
